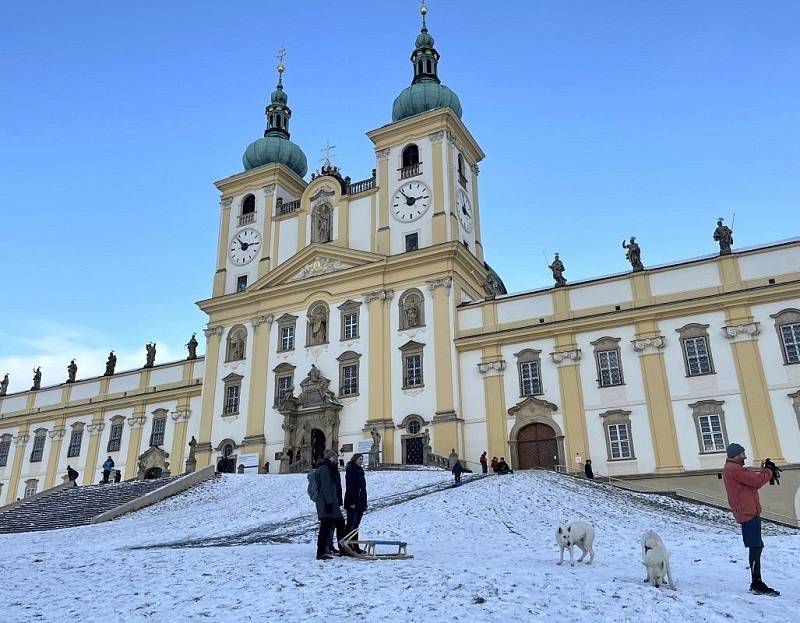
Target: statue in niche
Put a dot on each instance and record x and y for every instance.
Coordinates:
(558, 271)
(111, 363)
(318, 326)
(37, 378)
(411, 311)
(4, 385)
(192, 346)
(72, 371)
(633, 254)
(314, 373)
(724, 236)
(322, 225)
(237, 347)
(151, 355)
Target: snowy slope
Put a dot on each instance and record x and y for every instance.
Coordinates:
(484, 551)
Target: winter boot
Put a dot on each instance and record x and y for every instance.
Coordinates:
(323, 557)
(758, 587)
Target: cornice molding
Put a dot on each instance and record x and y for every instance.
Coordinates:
(566, 357)
(649, 345)
(742, 332)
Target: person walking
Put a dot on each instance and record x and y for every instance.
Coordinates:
(742, 487)
(457, 471)
(587, 469)
(72, 475)
(107, 467)
(329, 502)
(484, 463)
(355, 497)
(452, 459)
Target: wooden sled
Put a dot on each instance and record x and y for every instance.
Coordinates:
(368, 551)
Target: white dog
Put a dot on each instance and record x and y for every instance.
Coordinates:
(580, 533)
(656, 559)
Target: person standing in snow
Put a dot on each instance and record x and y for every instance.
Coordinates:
(484, 461)
(329, 502)
(742, 487)
(457, 471)
(587, 469)
(452, 459)
(495, 464)
(107, 467)
(355, 497)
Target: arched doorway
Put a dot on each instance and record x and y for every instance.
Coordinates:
(227, 462)
(153, 473)
(537, 447)
(317, 445)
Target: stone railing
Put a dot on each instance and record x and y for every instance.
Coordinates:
(411, 170)
(362, 186)
(246, 219)
(282, 208)
(438, 461)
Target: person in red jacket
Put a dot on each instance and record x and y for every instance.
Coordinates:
(742, 487)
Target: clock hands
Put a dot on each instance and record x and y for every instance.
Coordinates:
(244, 245)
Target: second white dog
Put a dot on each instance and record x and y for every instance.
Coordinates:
(580, 533)
(655, 558)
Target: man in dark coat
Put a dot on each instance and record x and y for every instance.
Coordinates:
(355, 497)
(72, 475)
(329, 502)
(484, 462)
(107, 467)
(587, 469)
(457, 471)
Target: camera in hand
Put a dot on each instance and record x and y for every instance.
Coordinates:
(776, 472)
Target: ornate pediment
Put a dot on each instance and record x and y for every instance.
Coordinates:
(319, 266)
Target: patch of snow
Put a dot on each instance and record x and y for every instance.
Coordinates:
(482, 551)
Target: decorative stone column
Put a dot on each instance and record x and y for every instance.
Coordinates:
(180, 417)
(136, 423)
(446, 423)
(649, 347)
(56, 438)
(743, 334)
(20, 445)
(213, 338)
(95, 430)
(492, 368)
(380, 368)
(222, 252)
(384, 183)
(254, 440)
(439, 218)
(567, 359)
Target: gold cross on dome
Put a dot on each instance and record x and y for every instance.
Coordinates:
(281, 55)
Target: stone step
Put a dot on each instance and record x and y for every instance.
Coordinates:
(74, 506)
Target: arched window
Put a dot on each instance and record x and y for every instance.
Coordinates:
(248, 204)
(237, 340)
(410, 155)
(317, 329)
(115, 436)
(412, 309)
(428, 67)
(75, 440)
(419, 67)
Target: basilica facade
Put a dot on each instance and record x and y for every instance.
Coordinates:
(348, 311)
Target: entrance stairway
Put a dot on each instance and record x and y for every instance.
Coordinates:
(74, 506)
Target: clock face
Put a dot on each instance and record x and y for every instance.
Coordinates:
(464, 211)
(410, 202)
(244, 246)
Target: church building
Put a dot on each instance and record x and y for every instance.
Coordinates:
(344, 311)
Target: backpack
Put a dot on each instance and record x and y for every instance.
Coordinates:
(313, 485)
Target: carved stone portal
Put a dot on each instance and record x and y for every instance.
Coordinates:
(310, 423)
(153, 464)
(533, 411)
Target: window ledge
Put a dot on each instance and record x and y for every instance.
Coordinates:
(413, 391)
(356, 395)
(230, 417)
(523, 396)
(601, 386)
(706, 452)
(632, 458)
(694, 376)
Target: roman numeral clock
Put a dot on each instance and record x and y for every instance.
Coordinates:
(410, 202)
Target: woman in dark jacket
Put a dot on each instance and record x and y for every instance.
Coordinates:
(355, 497)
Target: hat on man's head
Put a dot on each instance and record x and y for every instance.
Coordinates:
(734, 450)
(330, 452)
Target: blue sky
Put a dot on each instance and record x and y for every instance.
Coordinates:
(599, 120)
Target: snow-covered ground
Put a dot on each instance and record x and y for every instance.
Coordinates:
(239, 549)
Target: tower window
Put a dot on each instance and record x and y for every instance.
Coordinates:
(428, 67)
(241, 283)
(248, 204)
(412, 242)
(419, 67)
(410, 155)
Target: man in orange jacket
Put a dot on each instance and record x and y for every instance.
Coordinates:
(742, 486)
